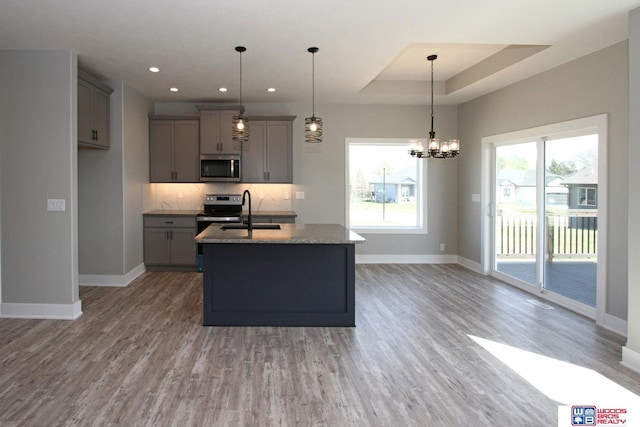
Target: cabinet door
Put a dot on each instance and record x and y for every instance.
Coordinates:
(185, 151)
(228, 145)
(85, 133)
(278, 151)
(100, 117)
(183, 246)
(161, 150)
(253, 157)
(157, 246)
(209, 132)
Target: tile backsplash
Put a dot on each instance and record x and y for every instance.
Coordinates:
(267, 197)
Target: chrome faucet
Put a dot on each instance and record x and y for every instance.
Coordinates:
(249, 217)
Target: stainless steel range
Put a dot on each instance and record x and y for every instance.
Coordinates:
(219, 208)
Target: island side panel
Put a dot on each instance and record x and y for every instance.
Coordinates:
(279, 284)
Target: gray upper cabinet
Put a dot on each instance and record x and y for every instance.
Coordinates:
(215, 131)
(267, 157)
(173, 150)
(93, 112)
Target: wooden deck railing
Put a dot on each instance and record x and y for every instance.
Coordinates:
(572, 235)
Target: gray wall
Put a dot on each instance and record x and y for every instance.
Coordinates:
(110, 189)
(595, 84)
(136, 172)
(39, 153)
(100, 206)
(319, 169)
(631, 353)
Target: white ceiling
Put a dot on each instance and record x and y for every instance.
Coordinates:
(371, 51)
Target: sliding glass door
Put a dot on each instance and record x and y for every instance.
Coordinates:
(516, 221)
(545, 215)
(571, 217)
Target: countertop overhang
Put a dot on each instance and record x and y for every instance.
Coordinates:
(289, 233)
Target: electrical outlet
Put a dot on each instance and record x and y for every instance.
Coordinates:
(441, 247)
(287, 195)
(180, 195)
(262, 194)
(56, 205)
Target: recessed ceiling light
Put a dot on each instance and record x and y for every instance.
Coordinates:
(154, 69)
(173, 89)
(222, 89)
(271, 89)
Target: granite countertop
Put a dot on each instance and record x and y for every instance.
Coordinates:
(286, 214)
(172, 212)
(288, 233)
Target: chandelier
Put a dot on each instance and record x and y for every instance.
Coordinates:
(313, 124)
(435, 148)
(240, 130)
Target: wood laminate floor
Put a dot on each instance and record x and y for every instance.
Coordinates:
(139, 356)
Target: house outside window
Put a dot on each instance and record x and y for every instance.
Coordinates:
(385, 193)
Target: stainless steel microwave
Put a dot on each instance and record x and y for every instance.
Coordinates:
(220, 167)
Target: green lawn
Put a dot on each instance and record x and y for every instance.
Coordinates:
(371, 213)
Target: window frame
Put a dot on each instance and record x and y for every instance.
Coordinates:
(421, 189)
(586, 202)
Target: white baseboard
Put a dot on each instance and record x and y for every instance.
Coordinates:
(614, 324)
(471, 265)
(41, 311)
(111, 279)
(630, 359)
(406, 259)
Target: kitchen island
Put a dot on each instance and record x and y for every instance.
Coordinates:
(297, 275)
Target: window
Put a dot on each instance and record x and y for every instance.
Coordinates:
(586, 196)
(385, 186)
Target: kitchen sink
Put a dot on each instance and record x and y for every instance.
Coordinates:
(246, 227)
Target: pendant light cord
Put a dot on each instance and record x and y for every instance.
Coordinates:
(432, 134)
(313, 84)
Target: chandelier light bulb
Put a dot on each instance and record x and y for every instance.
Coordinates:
(313, 127)
(240, 125)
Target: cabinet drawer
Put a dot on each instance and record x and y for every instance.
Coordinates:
(169, 221)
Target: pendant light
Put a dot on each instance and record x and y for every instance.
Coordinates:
(313, 124)
(240, 132)
(434, 148)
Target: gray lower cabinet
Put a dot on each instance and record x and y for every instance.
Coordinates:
(174, 150)
(169, 242)
(267, 157)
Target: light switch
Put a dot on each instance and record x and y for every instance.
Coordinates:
(56, 205)
(299, 194)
